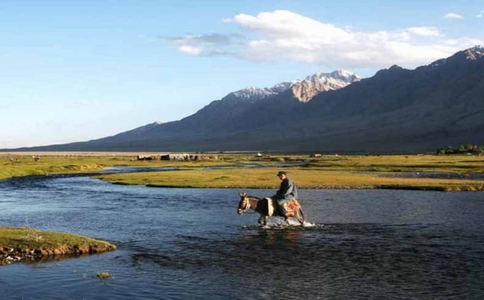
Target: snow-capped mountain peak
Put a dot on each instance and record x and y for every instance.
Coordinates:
(254, 93)
(474, 52)
(322, 82)
(305, 89)
(471, 54)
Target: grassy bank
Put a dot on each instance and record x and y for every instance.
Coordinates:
(237, 170)
(314, 179)
(19, 244)
(25, 165)
(330, 171)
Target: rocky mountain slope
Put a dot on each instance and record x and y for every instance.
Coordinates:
(396, 110)
(306, 89)
(303, 90)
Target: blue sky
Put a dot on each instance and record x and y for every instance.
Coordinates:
(80, 70)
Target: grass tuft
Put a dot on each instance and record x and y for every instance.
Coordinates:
(103, 275)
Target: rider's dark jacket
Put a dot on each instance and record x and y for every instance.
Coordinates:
(287, 191)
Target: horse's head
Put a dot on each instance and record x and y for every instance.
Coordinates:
(244, 204)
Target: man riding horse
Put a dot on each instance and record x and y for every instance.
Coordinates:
(287, 192)
(282, 204)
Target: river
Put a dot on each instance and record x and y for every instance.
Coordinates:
(190, 244)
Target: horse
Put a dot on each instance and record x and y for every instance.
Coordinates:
(266, 208)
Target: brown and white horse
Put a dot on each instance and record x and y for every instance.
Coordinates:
(266, 208)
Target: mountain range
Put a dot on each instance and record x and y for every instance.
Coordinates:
(395, 111)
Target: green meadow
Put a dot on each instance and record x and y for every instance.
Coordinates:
(325, 172)
(249, 171)
(54, 242)
(22, 243)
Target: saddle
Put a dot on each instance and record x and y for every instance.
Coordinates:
(273, 209)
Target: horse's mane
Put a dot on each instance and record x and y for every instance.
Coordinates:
(249, 196)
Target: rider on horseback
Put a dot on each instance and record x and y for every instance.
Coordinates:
(287, 192)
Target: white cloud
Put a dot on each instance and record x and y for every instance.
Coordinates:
(190, 50)
(453, 16)
(424, 31)
(480, 14)
(470, 42)
(286, 36)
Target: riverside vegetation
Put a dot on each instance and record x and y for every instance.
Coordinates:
(24, 244)
(230, 170)
(20, 244)
(419, 172)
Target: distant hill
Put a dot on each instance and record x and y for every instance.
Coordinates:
(397, 110)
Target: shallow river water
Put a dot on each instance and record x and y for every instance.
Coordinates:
(191, 244)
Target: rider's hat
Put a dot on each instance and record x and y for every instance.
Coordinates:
(281, 173)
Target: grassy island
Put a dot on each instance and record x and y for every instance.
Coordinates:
(21, 244)
(417, 172)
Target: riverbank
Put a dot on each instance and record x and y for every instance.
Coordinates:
(245, 170)
(306, 179)
(325, 172)
(19, 244)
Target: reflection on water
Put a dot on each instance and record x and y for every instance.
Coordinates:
(190, 244)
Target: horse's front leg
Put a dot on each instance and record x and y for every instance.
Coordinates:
(262, 220)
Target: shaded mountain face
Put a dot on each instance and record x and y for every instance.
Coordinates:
(397, 110)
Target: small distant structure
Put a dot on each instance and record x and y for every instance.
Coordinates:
(144, 157)
(175, 157)
(315, 155)
(195, 157)
(259, 154)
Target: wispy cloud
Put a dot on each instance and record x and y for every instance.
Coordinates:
(284, 35)
(469, 42)
(424, 31)
(204, 44)
(453, 16)
(480, 14)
